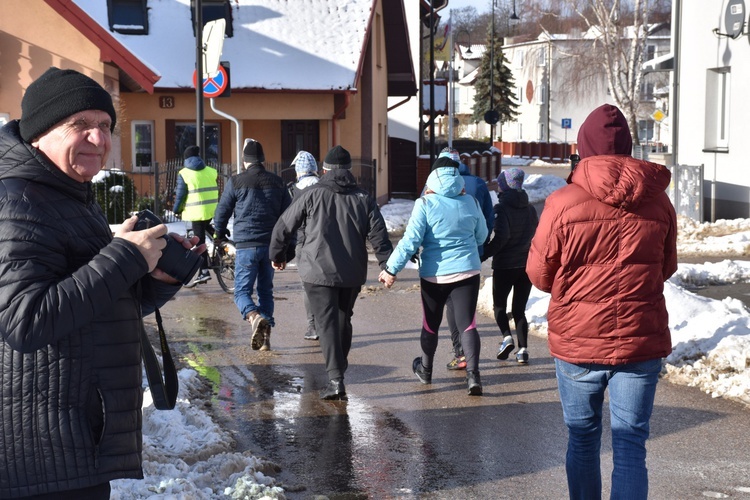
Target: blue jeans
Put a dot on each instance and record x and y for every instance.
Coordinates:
(253, 264)
(631, 399)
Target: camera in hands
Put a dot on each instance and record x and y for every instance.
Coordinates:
(176, 260)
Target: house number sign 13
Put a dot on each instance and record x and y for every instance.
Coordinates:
(166, 102)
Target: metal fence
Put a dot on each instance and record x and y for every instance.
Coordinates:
(122, 193)
(686, 190)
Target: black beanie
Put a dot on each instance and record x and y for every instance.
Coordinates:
(253, 152)
(56, 95)
(337, 157)
(445, 161)
(191, 151)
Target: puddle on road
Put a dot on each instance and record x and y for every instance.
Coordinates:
(343, 450)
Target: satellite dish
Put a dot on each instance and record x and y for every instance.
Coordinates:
(734, 18)
(213, 43)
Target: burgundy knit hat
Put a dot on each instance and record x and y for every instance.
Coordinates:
(604, 132)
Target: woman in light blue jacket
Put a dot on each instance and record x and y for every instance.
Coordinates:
(449, 226)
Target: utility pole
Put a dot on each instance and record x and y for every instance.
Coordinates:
(432, 84)
(492, 69)
(200, 140)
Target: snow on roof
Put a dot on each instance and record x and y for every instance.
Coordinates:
(277, 44)
(477, 49)
(470, 77)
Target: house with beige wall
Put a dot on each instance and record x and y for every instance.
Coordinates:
(302, 75)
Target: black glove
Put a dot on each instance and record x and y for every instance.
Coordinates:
(221, 237)
(485, 253)
(290, 253)
(415, 258)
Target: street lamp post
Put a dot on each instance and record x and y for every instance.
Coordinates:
(491, 116)
(451, 85)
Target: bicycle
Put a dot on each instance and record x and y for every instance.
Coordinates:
(220, 260)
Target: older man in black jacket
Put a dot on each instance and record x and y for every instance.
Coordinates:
(72, 300)
(338, 220)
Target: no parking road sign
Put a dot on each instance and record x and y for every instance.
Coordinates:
(216, 85)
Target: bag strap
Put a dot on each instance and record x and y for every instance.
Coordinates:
(163, 390)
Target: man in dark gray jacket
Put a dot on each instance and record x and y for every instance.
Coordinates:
(339, 219)
(72, 300)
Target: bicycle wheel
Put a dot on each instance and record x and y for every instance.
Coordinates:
(225, 255)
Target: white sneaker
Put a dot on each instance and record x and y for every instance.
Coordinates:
(201, 278)
(522, 356)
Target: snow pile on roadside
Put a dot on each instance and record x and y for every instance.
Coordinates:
(710, 344)
(710, 338)
(723, 237)
(185, 454)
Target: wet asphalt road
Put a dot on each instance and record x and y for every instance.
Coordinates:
(396, 438)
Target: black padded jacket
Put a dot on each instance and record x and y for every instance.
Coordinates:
(339, 219)
(72, 299)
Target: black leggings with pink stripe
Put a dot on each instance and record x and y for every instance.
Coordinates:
(464, 295)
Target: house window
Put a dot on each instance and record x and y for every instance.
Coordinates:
(717, 109)
(129, 17)
(542, 57)
(143, 145)
(541, 137)
(650, 52)
(541, 94)
(518, 59)
(646, 130)
(213, 10)
(184, 136)
(520, 131)
(647, 91)
(378, 42)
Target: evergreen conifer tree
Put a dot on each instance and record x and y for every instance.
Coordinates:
(503, 95)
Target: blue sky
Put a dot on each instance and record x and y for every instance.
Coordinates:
(480, 5)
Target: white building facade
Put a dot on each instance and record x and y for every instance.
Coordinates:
(556, 91)
(711, 108)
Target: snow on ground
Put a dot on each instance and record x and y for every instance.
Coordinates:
(185, 451)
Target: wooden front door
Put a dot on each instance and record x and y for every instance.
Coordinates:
(299, 135)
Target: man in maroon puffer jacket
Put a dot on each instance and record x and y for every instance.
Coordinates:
(604, 246)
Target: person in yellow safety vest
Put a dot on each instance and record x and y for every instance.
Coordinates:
(196, 197)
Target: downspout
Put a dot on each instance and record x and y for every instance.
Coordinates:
(675, 91)
(549, 87)
(336, 116)
(400, 103)
(237, 132)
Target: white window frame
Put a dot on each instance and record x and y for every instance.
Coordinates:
(541, 94)
(134, 146)
(718, 86)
